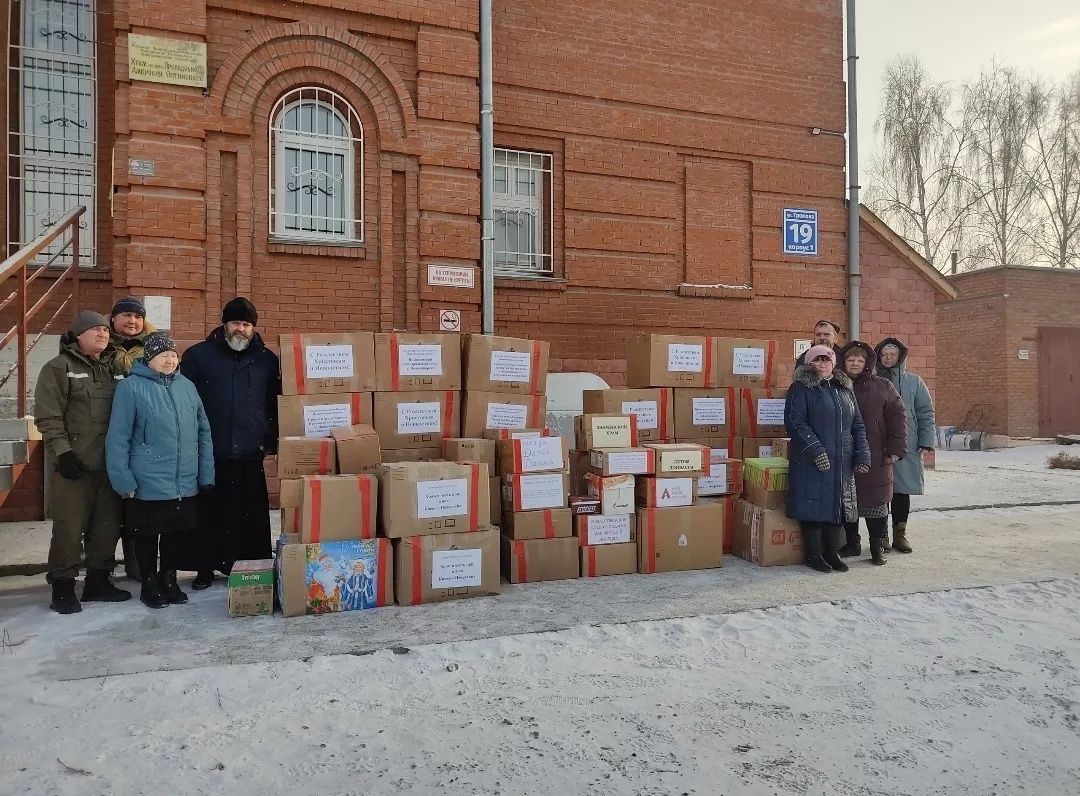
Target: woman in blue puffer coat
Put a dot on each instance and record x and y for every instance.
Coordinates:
(159, 454)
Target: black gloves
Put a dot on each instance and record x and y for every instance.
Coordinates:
(70, 466)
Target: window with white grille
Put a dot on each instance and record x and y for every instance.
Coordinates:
(52, 124)
(316, 181)
(523, 213)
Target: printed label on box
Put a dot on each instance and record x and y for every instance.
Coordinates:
(683, 358)
(542, 492)
(541, 453)
(455, 569)
(674, 492)
(645, 411)
(425, 418)
(605, 529)
(715, 484)
(420, 360)
(680, 461)
(748, 362)
(770, 411)
(320, 420)
(764, 451)
(448, 498)
(507, 416)
(710, 411)
(329, 361)
(510, 366)
(716, 454)
(610, 432)
(624, 463)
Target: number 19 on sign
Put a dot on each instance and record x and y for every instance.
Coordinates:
(800, 231)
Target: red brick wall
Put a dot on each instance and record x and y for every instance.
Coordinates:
(997, 314)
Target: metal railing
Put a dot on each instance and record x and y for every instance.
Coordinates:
(26, 266)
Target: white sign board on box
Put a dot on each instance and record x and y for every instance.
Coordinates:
(463, 276)
(446, 498)
(456, 569)
(321, 419)
(541, 453)
(607, 529)
(645, 411)
(770, 411)
(507, 416)
(510, 366)
(715, 484)
(710, 411)
(624, 462)
(420, 360)
(800, 231)
(672, 492)
(542, 492)
(685, 358)
(419, 418)
(748, 362)
(329, 361)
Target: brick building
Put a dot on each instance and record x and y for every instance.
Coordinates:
(1009, 352)
(644, 154)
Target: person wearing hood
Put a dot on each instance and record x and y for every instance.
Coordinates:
(828, 448)
(159, 455)
(883, 415)
(72, 402)
(921, 433)
(238, 379)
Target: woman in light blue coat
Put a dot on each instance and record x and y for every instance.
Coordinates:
(908, 476)
(159, 454)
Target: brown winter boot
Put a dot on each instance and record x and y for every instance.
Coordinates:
(899, 538)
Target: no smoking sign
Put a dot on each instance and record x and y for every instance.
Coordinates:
(450, 320)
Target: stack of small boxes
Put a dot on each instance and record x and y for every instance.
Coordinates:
(764, 534)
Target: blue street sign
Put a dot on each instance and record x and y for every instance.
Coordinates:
(800, 231)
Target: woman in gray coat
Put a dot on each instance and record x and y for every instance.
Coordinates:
(921, 433)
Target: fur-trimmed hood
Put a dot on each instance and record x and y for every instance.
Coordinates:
(808, 376)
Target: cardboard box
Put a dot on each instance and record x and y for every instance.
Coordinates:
(605, 431)
(336, 508)
(653, 408)
(605, 529)
(417, 419)
(727, 503)
(745, 363)
(676, 539)
(489, 411)
(609, 559)
(318, 415)
(584, 504)
(300, 456)
(342, 362)
(623, 461)
(666, 492)
(495, 499)
(579, 466)
(417, 362)
(516, 433)
(534, 491)
(358, 450)
(615, 492)
(665, 360)
(781, 447)
(290, 520)
(533, 455)
(726, 448)
(251, 588)
(461, 449)
(423, 498)
(706, 414)
(766, 537)
(328, 577)
(542, 524)
(535, 560)
(765, 482)
(725, 478)
(448, 566)
(681, 458)
(292, 491)
(757, 448)
(395, 455)
(763, 413)
(505, 364)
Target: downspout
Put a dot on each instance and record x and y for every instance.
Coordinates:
(854, 269)
(487, 173)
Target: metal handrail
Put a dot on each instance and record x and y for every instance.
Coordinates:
(18, 265)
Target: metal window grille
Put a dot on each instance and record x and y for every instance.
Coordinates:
(317, 175)
(52, 124)
(523, 213)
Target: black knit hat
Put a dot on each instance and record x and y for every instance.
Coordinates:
(240, 309)
(128, 304)
(157, 343)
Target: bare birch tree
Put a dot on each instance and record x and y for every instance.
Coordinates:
(1056, 154)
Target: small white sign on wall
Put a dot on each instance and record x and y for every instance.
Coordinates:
(1023, 353)
(158, 311)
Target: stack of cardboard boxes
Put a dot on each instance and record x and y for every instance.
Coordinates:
(764, 535)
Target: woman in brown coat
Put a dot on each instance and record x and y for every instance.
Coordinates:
(886, 430)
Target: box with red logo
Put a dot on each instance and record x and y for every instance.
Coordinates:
(336, 508)
(341, 362)
(446, 566)
(540, 524)
(609, 559)
(763, 413)
(683, 538)
(666, 492)
(766, 537)
(505, 364)
(652, 406)
(534, 560)
(420, 498)
(300, 456)
(417, 362)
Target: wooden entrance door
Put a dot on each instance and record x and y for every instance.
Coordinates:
(1059, 381)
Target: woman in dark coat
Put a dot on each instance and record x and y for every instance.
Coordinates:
(885, 419)
(828, 446)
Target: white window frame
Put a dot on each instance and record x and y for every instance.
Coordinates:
(525, 261)
(284, 180)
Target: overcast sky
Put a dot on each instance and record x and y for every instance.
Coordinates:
(954, 38)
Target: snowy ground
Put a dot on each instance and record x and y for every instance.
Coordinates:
(744, 680)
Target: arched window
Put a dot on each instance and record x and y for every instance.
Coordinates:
(316, 182)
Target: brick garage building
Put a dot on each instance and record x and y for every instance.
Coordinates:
(646, 151)
(1009, 352)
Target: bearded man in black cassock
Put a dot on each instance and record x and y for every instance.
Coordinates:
(238, 379)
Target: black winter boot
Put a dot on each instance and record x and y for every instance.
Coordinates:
(171, 588)
(64, 600)
(830, 542)
(811, 535)
(853, 548)
(203, 580)
(99, 589)
(877, 550)
(151, 594)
